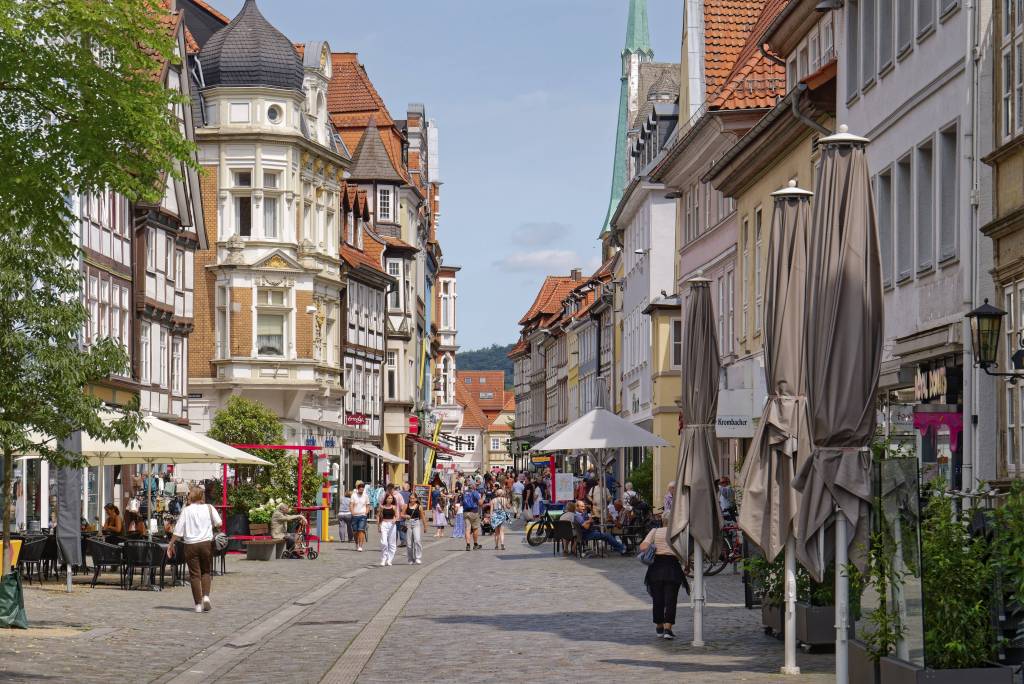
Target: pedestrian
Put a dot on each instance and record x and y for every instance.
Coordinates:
(517, 497)
(415, 517)
(663, 579)
(538, 499)
(501, 513)
(471, 504)
(387, 519)
(727, 498)
(440, 513)
(360, 507)
(459, 528)
(670, 493)
(345, 516)
(195, 528)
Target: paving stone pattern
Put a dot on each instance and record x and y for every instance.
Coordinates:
(521, 615)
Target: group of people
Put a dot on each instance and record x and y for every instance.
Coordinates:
(400, 515)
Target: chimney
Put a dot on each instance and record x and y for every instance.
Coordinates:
(576, 274)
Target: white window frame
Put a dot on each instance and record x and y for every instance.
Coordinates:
(282, 308)
(385, 203)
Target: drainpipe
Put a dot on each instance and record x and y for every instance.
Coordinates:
(971, 292)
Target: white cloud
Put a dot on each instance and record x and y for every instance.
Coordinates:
(548, 260)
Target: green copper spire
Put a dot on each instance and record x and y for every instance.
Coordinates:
(638, 37)
(637, 49)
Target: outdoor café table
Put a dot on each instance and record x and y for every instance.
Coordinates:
(163, 565)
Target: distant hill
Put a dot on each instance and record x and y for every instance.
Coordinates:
(494, 357)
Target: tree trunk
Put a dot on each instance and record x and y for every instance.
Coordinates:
(7, 499)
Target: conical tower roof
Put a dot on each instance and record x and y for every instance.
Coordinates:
(371, 161)
(250, 52)
(638, 36)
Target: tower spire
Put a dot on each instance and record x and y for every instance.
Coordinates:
(638, 36)
(637, 50)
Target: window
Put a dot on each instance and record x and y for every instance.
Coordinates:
(1014, 398)
(163, 358)
(150, 249)
(271, 322)
(147, 360)
(852, 49)
(720, 309)
(925, 196)
(179, 267)
(392, 375)
(904, 220)
(948, 189)
(677, 343)
(868, 31)
(827, 41)
(239, 112)
(468, 381)
(487, 395)
(904, 25)
(243, 179)
(885, 20)
(384, 204)
(177, 381)
(730, 303)
(758, 294)
(271, 297)
(243, 216)
(925, 15)
(495, 444)
(746, 277)
(883, 193)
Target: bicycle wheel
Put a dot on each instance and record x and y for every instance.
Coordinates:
(713, 566)
(312, 554)
(537, 535)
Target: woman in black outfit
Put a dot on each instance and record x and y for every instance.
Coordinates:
(663, 579)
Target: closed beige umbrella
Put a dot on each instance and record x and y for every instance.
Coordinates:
(695, 508)
(782, 443)
(843, 341)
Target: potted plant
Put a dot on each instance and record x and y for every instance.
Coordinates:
(960, 640)
(259, 518)
(815, 606)
(767, 578)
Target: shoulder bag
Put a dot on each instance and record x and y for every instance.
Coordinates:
(220, 540)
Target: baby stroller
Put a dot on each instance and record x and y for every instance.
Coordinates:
(303, 545)
(486, 527)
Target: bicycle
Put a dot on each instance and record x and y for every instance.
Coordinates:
(732, 549)
(540, 530)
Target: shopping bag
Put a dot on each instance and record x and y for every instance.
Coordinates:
(12, 602)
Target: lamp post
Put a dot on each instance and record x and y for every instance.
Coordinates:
(986, 327)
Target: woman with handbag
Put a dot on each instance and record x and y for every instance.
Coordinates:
(195, 528)
(663, 579)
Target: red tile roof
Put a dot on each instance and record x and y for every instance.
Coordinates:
(727, 24)
(510, 402)
(549, 298)
(754, 81)
(493, 383)
(520, 348)
(472, 416)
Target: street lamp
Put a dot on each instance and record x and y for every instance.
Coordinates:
(986, 324)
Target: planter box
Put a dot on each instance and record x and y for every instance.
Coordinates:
(259, 529)
(771, 618)
(260, 550)
(862, 668)
(896, 671)
(815, 625)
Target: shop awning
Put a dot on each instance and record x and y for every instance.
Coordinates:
(377, 452)
(433, 445)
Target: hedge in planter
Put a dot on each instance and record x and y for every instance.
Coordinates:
(769, 580)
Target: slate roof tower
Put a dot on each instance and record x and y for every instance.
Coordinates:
(637, 50)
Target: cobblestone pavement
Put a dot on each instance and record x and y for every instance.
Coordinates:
(521, 615)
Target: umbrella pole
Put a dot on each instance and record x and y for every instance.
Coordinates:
(842, 600)
(790, 667)
(149, 504)
(698, 595)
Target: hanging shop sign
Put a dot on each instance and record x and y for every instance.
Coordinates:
(735, 418)
(414, 425)
(930, 383)
(355, 419)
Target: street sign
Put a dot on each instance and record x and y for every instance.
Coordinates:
(414, 425)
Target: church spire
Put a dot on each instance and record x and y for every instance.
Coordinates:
(637, 49)
(638, 37)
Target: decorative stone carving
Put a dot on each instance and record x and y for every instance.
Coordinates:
(271, 281)
(276, 261)
(235, 246)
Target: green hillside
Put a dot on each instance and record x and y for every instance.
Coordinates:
(494, 357)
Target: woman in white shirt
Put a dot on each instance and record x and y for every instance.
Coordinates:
(195, 529)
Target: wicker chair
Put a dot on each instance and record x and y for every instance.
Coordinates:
(31, 558)
(144, 555)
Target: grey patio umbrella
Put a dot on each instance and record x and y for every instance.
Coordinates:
(695, 509)
(843, 343)
(781, 444)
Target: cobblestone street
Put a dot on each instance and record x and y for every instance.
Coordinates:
(520, 615)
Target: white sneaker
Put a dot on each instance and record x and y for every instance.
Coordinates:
(359, 548)
(199, 607)
(418, 562)
(383, 563)
(207, 606)
(389, 562)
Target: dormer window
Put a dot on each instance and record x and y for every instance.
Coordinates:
(385, 204)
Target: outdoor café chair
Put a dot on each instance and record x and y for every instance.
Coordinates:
(51, 556)
(564, 536)
(106, 555)
(220, 561)
(31, 558)
(145, 556)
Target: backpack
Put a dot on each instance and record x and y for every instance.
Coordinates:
(468, 502)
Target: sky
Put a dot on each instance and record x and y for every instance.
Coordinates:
(525, 96)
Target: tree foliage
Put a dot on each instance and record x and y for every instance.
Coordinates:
(245, 421)
(494, 357)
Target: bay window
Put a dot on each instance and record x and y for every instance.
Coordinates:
(272, 312)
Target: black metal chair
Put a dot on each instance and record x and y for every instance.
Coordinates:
(564, 536)
(220, 561)
(31, 558)
(51, 556)
(178, 564)
(144, 555)
(106, 555)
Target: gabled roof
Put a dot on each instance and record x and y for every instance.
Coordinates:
(371, 161)
(510, 402)
(520, 347)
(755, 81)
(549, 298)
(472, 417)
(727, 25)
(493, 382)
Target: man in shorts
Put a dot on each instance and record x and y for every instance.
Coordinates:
(471, 501)
(360, 507)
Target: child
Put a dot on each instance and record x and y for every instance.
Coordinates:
(440, 519)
